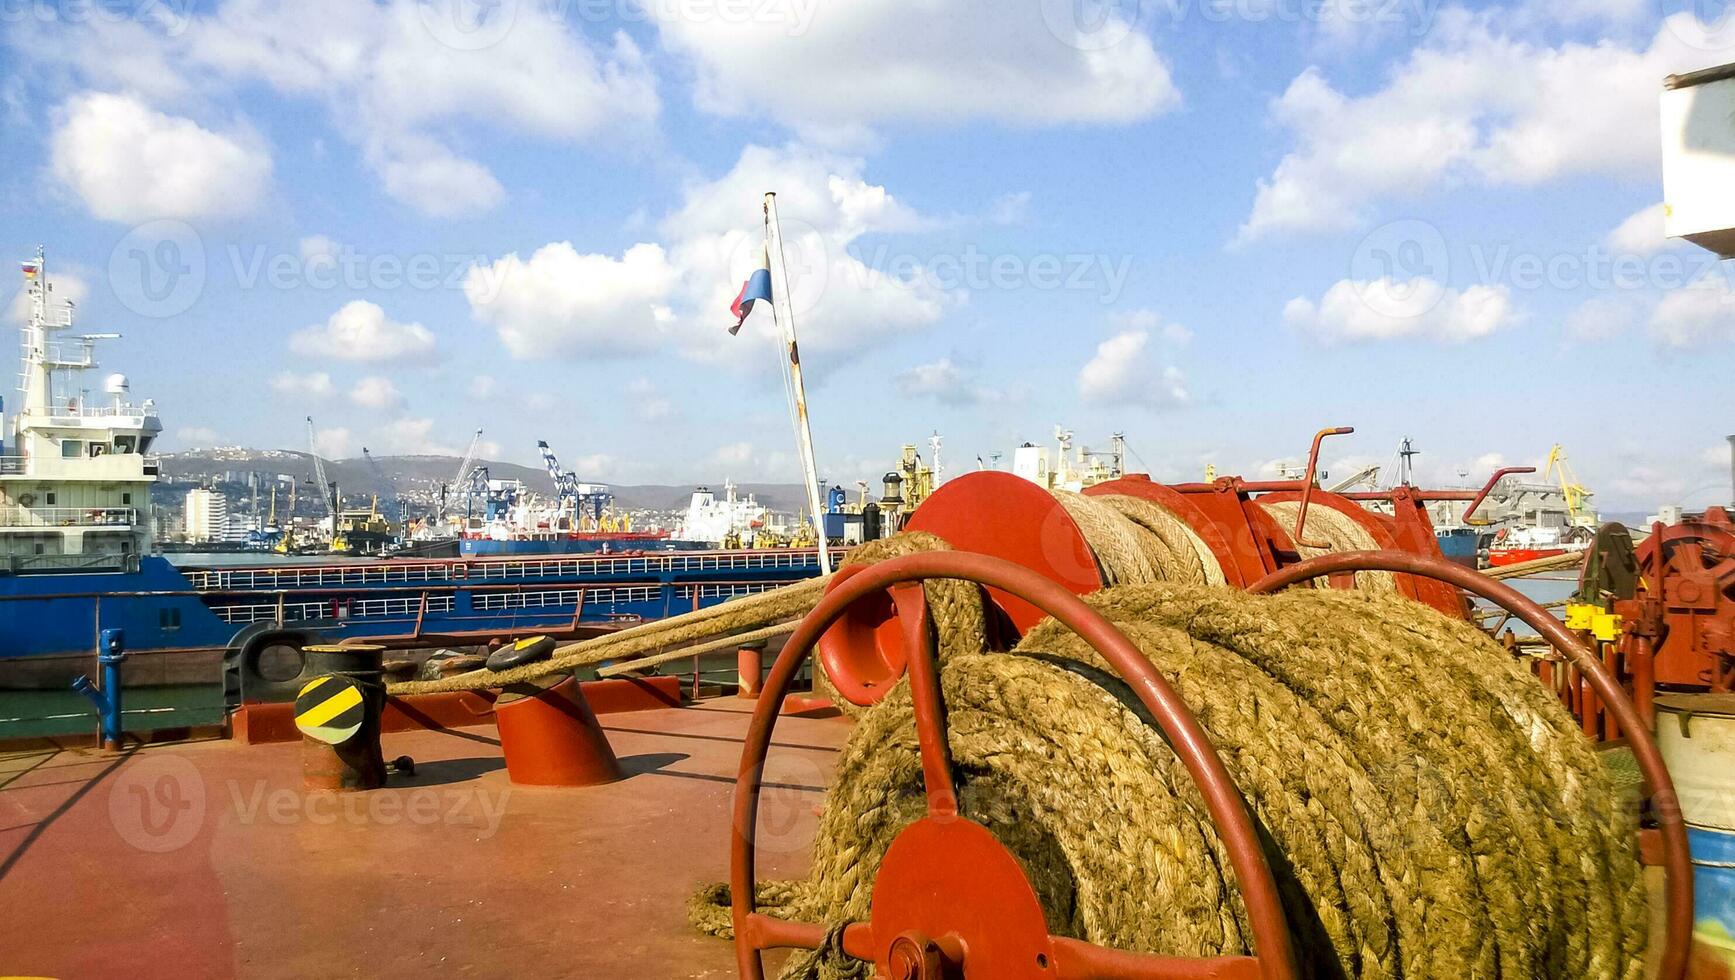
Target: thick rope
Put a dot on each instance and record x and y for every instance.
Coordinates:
(1431, 811)
(1336, 531)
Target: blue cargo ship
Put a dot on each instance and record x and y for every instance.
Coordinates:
(76, 555)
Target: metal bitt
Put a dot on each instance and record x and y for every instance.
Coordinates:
(338, 713)
(1677, 864)
(750, 672)
(111, 653)
(550, 736)
(950, 900)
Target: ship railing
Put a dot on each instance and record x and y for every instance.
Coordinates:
(256, 612)
(388, 573)
(13, 465)
(14, 515)
(27, 564)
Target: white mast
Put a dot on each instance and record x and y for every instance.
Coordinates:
(784, 313)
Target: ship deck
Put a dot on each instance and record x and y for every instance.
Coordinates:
(207, 858)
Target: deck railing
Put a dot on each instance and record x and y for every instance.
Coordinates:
(492, 570)
(14, 515)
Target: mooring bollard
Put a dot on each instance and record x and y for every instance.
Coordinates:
(750, 663)
(550, 737)
(338, 713)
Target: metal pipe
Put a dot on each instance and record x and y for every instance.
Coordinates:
(111, 653)
(1271, 938)
(1677, 864)
(1307, 482)
(1488, 488)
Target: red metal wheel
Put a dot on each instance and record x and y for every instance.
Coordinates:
(950, 900)
(1677, 866)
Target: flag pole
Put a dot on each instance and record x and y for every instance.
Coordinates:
(784, 313)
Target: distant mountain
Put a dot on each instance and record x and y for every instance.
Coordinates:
(420, 477)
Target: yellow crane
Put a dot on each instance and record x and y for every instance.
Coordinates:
(1558, 470)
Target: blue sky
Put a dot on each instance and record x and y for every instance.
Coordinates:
(1215, 226)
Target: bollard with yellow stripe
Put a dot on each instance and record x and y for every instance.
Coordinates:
(330, 709)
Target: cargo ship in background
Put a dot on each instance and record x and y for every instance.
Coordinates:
(77, 554)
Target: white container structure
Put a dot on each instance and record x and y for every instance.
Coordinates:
(1698, 115)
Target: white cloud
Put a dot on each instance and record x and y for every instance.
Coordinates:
(732, 454)
(392, 74)
(130, 163)
(1469, 105)
(1010, 209)
(1388, 309)
(196, 437)
(1640, 234)
(377, 393)
(65, 286)
(1604, 317)
(412, 437)
(857, 64)
(482, 387)
(318, 248)
(1150, 321)
(1702, 313)
(675, 296)
(335, 443)
(564, 304)
(648, 403)
(315, 384)
(1123, 372)
(360, 331)
(947, 382)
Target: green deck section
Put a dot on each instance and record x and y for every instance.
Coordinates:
(28, 714)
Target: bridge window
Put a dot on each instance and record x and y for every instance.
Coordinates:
(169, 619)
(71, 448)
(124, 444)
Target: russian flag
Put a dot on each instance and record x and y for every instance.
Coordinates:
(757, 286)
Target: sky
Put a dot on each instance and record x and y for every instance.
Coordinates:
(1214, 225)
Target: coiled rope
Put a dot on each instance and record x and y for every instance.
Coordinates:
(1432, 812)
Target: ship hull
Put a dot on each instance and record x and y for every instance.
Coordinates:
(1501, 557)
(50, 623)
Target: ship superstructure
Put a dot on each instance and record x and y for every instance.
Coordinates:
(75, 472)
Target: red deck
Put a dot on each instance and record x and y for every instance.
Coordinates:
(207, 859)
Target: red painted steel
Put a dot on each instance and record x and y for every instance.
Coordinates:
(1218, 537)
(1677, 866)
(550, 737)
(749, 670)
(755, 932)
(1425, 590)
(1308, 482)
(1005, 516)
(1685, 608)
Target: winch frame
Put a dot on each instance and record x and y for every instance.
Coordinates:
(912, 935)
(1671, 825)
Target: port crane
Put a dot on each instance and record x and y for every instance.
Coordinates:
(396, 500)
(460, 482)
(1558, 470)
(581, 500)
(327, 489)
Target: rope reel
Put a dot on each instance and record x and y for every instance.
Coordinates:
(1180, 780)
(1125, 532)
